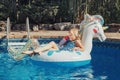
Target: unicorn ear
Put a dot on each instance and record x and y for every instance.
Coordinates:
(86, 16)
(105, 27)
(100, 18)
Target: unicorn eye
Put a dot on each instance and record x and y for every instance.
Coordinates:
(95, 30)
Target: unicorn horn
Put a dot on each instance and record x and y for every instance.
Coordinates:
(105, 27)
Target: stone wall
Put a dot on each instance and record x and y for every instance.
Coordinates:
(37, 27)
(2, 25)
(57, 26)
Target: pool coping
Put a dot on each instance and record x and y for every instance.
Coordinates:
(52, 34)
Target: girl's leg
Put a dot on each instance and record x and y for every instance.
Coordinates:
(27, 52)
(35, 45)
(51, 45)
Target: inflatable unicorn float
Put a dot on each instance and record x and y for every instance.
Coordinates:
(74, 58)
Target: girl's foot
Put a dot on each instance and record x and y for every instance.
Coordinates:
(40, 52)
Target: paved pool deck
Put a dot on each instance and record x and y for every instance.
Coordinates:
(51, 34)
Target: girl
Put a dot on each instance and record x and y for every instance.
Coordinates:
(73, 44)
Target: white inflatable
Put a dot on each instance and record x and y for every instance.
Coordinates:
(73, 58)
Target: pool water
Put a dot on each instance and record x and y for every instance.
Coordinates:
(105, 65)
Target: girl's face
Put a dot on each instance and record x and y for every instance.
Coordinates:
(71, 36)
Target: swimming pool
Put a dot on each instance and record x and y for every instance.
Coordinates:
(104, 65)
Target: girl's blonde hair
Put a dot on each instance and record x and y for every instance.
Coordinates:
(75, 32)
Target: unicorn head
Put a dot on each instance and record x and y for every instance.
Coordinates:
(95, 21)
(98, 31)
(91, 30)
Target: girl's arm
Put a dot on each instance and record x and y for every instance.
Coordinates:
(79, 45)
(63, 41)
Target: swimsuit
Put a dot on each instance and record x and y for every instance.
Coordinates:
(70, 45)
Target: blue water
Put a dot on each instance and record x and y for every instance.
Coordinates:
(105, 65)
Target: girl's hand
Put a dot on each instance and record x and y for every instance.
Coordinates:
(76, 48)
